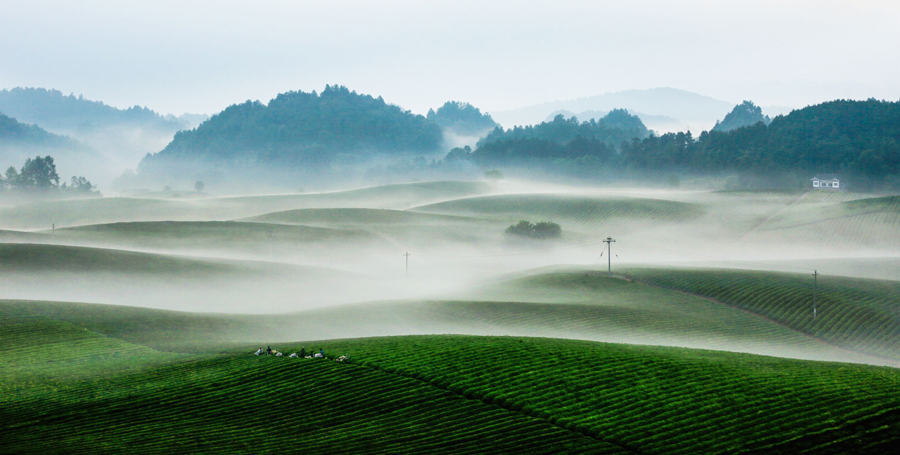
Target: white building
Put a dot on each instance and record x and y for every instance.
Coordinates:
(829, 181)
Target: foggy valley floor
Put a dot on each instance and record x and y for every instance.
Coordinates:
(477, 340)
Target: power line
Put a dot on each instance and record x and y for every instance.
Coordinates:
(815, 290)
(609, 241)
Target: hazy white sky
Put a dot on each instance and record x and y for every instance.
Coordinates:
(200, 56)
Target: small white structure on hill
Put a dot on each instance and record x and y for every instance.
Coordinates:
(830, 181)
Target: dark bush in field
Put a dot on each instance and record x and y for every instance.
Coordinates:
(541, 230)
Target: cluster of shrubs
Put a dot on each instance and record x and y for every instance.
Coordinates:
(541, 230)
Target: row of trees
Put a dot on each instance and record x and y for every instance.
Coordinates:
(38, 175)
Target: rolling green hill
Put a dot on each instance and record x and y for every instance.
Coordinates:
(243, 239)
(852, 313)
(61, 272)
(356, 216)
(85, 389)
(42, 215)
(564, 207)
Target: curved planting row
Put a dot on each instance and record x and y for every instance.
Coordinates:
(646, 399)
(248, 404)
(853, 313)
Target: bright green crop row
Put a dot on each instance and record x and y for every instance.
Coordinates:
(422, 394)
(247, 404)
(853, 313)
(650, 400)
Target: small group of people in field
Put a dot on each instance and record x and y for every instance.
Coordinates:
(294, 355)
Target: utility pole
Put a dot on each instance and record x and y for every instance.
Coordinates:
(407, 262)
(815, 290)
(609, 241)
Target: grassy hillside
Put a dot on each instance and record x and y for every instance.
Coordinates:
(853, 313)
(263, 240)
(563, 207)
(42, 215)
(59, 272)
(422, 394)
(355, 216)
(37, 258)
(411, 230)
(571, 304)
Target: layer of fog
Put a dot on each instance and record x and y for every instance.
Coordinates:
(316, 267)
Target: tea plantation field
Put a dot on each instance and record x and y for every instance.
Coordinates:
(853, 313)
(69, 389)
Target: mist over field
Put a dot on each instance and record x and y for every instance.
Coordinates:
(655, 228)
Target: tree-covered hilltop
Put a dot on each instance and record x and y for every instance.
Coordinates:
(860, 139)
(561, 145)
(57, 112)
(462, 118)
(17, 134)
(298, 129)
(615, 127)
(744, 114)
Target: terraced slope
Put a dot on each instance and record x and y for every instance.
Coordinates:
(42, 215)
(853, 313)
(563, 207)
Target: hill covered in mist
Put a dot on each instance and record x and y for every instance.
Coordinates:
(121, 137)
(296, 131)
(19, 141)
(664, 104)
(57, 112)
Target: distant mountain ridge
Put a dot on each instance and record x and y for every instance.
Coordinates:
(19, 141)
(658, 123)
(692, 109)
(52, 110)
(120, 137)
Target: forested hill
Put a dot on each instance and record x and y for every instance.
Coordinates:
(860, 139)
(462, 118)
(20, 141)
(744, 114)
(617, 126)
(560, 139)
(57, 112)
(301, 129)
(16, 134)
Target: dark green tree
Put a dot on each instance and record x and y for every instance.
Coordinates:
(38, 174)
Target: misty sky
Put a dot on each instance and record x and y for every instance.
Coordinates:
(199, 56)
